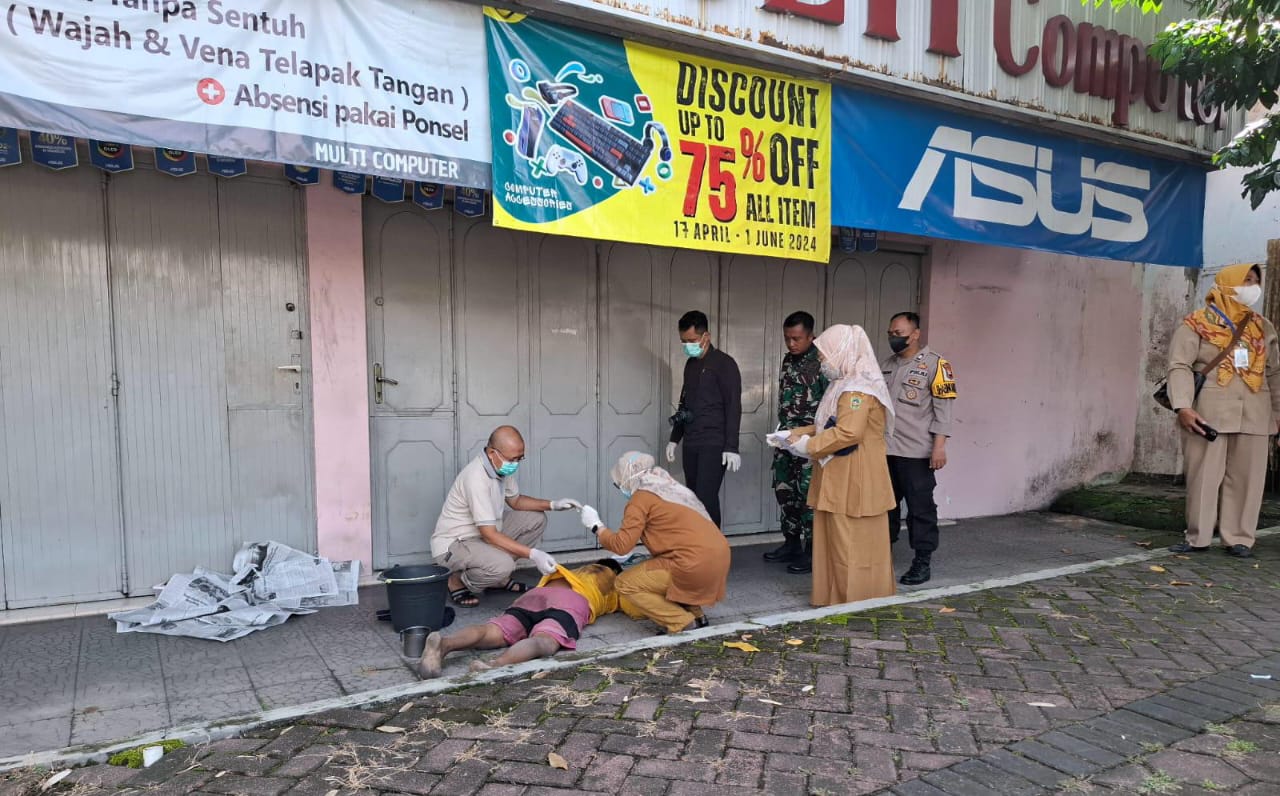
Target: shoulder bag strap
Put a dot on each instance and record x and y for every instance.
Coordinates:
(1235, 338)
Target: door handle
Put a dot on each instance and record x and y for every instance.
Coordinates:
(378, 381)
(292, 368)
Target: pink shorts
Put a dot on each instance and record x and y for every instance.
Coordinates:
(545, 610)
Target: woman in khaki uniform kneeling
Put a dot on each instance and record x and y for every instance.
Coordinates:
(850, 489)
(690, 563)
(1240, 401)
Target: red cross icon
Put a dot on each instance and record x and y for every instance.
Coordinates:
(210, 91)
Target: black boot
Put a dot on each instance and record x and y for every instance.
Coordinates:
(804, 562)
(919, 573)
(790, 550)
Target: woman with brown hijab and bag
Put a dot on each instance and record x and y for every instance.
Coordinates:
(850, 489)
(1227, 425)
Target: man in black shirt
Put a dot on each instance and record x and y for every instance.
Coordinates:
(709, 414)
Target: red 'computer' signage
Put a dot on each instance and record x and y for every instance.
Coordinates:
(1087, 58)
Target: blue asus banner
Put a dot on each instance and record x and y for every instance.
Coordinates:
(904, 167)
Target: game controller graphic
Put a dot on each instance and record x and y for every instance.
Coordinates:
(561, 160)
(586, 135)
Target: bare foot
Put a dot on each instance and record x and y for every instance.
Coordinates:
(480, 666)
(432, 659)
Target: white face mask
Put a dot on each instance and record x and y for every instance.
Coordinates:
(1249, 295)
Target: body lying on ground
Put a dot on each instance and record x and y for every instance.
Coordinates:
(540, 623)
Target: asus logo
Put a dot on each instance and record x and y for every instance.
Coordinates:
(1031, 197)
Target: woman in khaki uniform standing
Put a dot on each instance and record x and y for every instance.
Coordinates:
(1240, 401)
(850, 489)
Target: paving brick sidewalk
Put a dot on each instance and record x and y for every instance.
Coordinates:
(1100, 680)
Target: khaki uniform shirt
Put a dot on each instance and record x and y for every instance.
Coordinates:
(856, 483)
(923, 390)
(681, 540)
(1232, 409)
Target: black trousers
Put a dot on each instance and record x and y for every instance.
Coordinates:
(703, 474)
(913, 480)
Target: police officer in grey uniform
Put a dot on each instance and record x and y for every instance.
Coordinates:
(923, 388)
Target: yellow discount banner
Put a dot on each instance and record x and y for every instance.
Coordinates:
(602, 138)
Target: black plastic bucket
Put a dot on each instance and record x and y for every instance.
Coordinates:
(416, 595)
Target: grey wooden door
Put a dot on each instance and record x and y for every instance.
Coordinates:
(869, 289)
(633, 361)
(264, 307)
(60, 528)
(758, 294)
(750, 335)
(562, 438)
(526, 357)
(492, 346)
(212, 439)
(408, 274)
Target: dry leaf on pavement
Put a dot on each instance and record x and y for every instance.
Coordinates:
(1143, 544)
(946, 610)
(391, 728)
(742, 645)
(1179, 583)
(1158, 568)
(795, 642)
(556, 761)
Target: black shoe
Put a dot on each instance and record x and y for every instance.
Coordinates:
(919, 573)
(789, 550)
(803, 566)
(699, 622)
(1183, 547)
(1240, 551)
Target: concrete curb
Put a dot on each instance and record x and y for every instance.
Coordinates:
(195, 734)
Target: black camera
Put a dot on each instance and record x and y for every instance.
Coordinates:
(682, 417)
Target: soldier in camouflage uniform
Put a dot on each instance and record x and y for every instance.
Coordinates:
(800, 388)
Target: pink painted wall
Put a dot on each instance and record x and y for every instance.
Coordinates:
(339, 360)
(1047, 351)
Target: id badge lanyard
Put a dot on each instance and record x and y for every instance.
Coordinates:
(1240, 357)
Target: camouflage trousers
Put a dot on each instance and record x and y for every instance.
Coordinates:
(791, 488)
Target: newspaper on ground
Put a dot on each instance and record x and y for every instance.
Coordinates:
(271, 582)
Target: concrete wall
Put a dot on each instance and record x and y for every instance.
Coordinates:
(1044, 348)
(339, 356)
(1234, 232)
(1167, 296)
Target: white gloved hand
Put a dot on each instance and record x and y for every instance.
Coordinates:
(671, 452)
(543, 561)
(731, 460)
(800, 447)
(777, 439)
(564, 504)
(590, 518)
